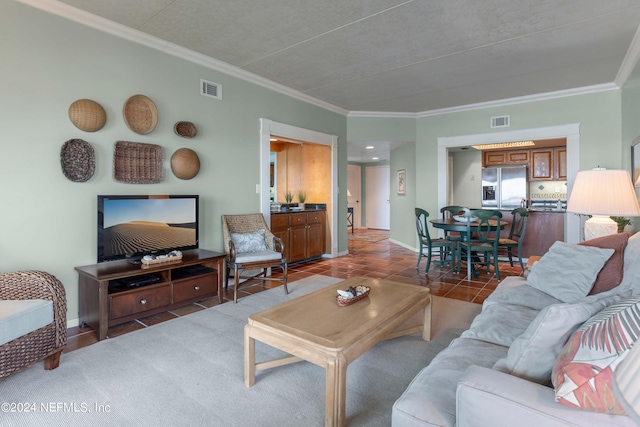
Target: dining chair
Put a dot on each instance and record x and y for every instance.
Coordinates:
(482, 237)
(449, 212)
(516, 235)
(446, 248)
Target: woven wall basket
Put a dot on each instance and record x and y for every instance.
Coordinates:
(87, 115)
(185, 163)
(78, 160)
(185, 129)
(140, 114)
(137, 163)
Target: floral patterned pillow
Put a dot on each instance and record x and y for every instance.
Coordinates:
(250, 242)
(583, 373)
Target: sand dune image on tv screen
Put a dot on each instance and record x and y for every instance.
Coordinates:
(141, 236)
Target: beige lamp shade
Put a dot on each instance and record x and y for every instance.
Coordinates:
(603, 193)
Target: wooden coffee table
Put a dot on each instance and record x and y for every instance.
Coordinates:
(316, 329)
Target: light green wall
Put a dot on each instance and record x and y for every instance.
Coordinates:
(48, 222)
(467, 178)
(403, 228)
(381, 129)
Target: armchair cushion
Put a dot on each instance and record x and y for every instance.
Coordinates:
(19, 317)
(265, 255)
(250, 242)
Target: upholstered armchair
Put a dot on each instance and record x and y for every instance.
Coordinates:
(33, 321)
(250, 245)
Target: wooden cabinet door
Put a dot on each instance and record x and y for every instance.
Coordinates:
(494, 158)
(315, 235)
(541, 164)
(297, 237)
(280, 229)
(560, 169)
(518, 157)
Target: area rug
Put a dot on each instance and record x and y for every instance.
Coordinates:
(189, 371)
(370, 236)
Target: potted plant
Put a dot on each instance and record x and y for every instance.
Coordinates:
(622, 222)
(288, 197)
(302, 196)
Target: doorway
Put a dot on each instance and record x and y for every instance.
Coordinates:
(378, 209)
(354, 187)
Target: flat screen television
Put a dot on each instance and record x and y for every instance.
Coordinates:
(130, 227)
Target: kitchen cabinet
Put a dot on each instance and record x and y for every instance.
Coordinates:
(497, 158)
(303, 233)
(542, 165)
(560, 170)
(544, 228)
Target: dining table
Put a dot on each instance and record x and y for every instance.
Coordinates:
(451, 224)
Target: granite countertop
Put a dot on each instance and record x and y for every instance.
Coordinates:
(294, 208)
(289, 210)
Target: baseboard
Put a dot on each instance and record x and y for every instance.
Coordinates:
(72, 323)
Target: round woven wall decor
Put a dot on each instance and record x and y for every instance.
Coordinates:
(78, 160)
(140, 114)
(87, 115)
(185, 163)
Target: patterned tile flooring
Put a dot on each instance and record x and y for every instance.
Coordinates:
(382, 259)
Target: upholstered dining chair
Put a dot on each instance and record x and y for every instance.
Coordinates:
(250, 245)
(445, 247)
(516, 235)
(482, 237)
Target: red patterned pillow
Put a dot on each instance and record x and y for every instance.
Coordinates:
(611, 274)
(583, 373)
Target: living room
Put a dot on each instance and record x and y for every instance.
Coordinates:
(50, 61)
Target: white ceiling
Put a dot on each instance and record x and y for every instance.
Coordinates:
(397, 56)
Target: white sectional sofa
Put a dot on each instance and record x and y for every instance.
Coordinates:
(498, 372)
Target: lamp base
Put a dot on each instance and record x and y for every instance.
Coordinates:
(598, 226)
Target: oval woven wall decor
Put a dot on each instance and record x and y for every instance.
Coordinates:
(185, 129)
(78, 160)
(185, 163)
(140, 114)
(87, 115)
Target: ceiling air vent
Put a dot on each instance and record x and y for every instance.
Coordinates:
(211, 89)
(500, 122)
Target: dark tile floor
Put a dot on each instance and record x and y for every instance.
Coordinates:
(367, 257)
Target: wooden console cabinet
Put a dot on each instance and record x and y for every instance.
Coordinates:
(107, 298)
(303, 233)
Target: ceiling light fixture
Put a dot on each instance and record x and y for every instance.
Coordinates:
(514, 144)
(369, 147)
(375, 158)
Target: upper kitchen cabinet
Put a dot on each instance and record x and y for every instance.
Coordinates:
(497, 158)
(561, 163)
(549, 164)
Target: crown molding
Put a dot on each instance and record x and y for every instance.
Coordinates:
(93, 21)
(383, 114)
(630, 60)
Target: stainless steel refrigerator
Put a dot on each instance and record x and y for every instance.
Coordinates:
(504, 187)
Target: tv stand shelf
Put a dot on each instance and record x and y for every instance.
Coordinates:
(116, 292)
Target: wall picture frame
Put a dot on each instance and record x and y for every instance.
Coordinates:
(635, 162)
(401, 180)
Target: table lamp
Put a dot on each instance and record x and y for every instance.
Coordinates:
(602, 193)
(626, 384)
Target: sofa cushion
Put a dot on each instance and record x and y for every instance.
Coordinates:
(611, 274)
(19, 317)
(430, 399)
(549, 275)
(533, 354)
(514, 291)
(583, 373)
(500, 323)
(250, 242)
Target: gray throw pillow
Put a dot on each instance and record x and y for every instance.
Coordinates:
(567, 272)
(250, 242)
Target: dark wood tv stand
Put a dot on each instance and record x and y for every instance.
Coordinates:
(108, 297)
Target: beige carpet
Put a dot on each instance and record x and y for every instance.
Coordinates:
(189, 371)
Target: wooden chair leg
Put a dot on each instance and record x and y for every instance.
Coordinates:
(52, 361)
(236, 280)
(284, 278)
(428, 259)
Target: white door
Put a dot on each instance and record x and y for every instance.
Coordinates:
(378, 192)
(353, 193)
